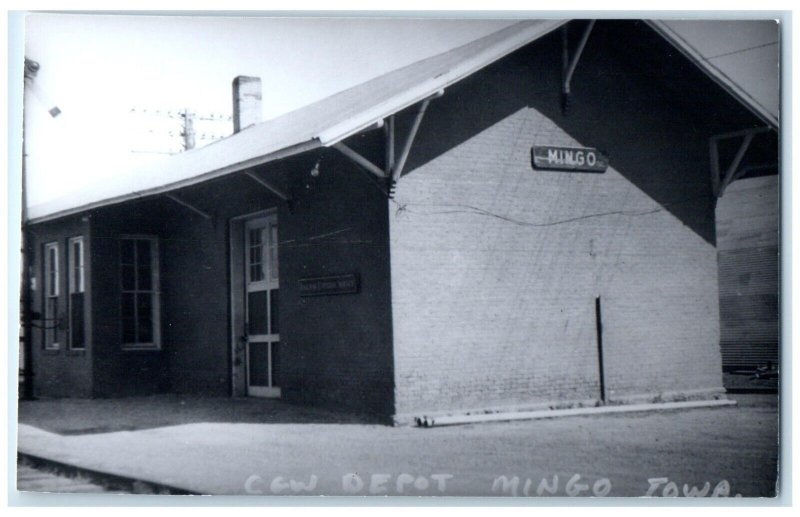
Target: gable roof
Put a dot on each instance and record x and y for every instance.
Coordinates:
(742, 56)
(739, 68)
(319, 124)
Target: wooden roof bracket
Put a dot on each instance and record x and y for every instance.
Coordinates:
(397, 169)
(191, 207)
(394, 166)
(720, 181)
(359, 160)
(269, 186)
(569, 65)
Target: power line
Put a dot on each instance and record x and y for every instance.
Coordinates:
(468, 209)
(189, 124)
(742, 50)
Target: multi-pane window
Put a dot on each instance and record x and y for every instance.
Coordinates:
(139, 278)
(51, 286)
(75, 261)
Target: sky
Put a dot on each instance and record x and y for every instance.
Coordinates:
(104, 71)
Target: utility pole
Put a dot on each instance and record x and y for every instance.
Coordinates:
(188, 129)
(31, 68)
(26, 302)
(194, 129)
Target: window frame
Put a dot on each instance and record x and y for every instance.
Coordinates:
(155, 292)
(51, 289)
(72, 288)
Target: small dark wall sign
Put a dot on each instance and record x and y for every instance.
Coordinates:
(577, 159)
(329, 285)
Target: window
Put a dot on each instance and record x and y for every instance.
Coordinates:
(75, 261)
(50, 296)
(140, 300)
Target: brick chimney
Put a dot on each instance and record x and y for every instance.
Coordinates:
(246, 102)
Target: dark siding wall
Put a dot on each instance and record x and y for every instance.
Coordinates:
(340, 346)
(62, 372)
(495, 266)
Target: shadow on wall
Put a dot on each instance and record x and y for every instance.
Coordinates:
(619, 105)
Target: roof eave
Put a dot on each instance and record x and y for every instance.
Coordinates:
(715, 74)
(369, 118)
(217, 173)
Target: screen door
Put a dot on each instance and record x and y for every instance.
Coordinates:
(261, 307)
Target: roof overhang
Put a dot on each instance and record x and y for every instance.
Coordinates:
(663, 28)
(281, 137)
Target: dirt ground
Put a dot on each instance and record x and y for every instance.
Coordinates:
(733, 449)
(751, 381)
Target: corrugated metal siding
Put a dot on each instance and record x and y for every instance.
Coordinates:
(748, 240)
(749, 311)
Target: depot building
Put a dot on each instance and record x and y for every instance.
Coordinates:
(427, 242)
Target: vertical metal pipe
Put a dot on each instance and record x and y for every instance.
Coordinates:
(564, 68)
(599, 322)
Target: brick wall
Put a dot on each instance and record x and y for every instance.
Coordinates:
(62, 372)
(195, 354)
(120, 372)
(339, 347)
(496, 267)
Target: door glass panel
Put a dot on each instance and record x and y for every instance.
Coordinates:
(256, 254)
(277, 370)
(257, 313)
(258, 364)
(273, 311)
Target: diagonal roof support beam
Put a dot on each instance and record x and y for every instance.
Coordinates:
(394, 166)
(571, 64)
(734, 166)
(267, 185)
(189, 206)
(401, 162)
(360, 160)
(721, 181)
(397, 170)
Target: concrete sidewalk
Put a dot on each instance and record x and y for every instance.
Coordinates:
(730, 446)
